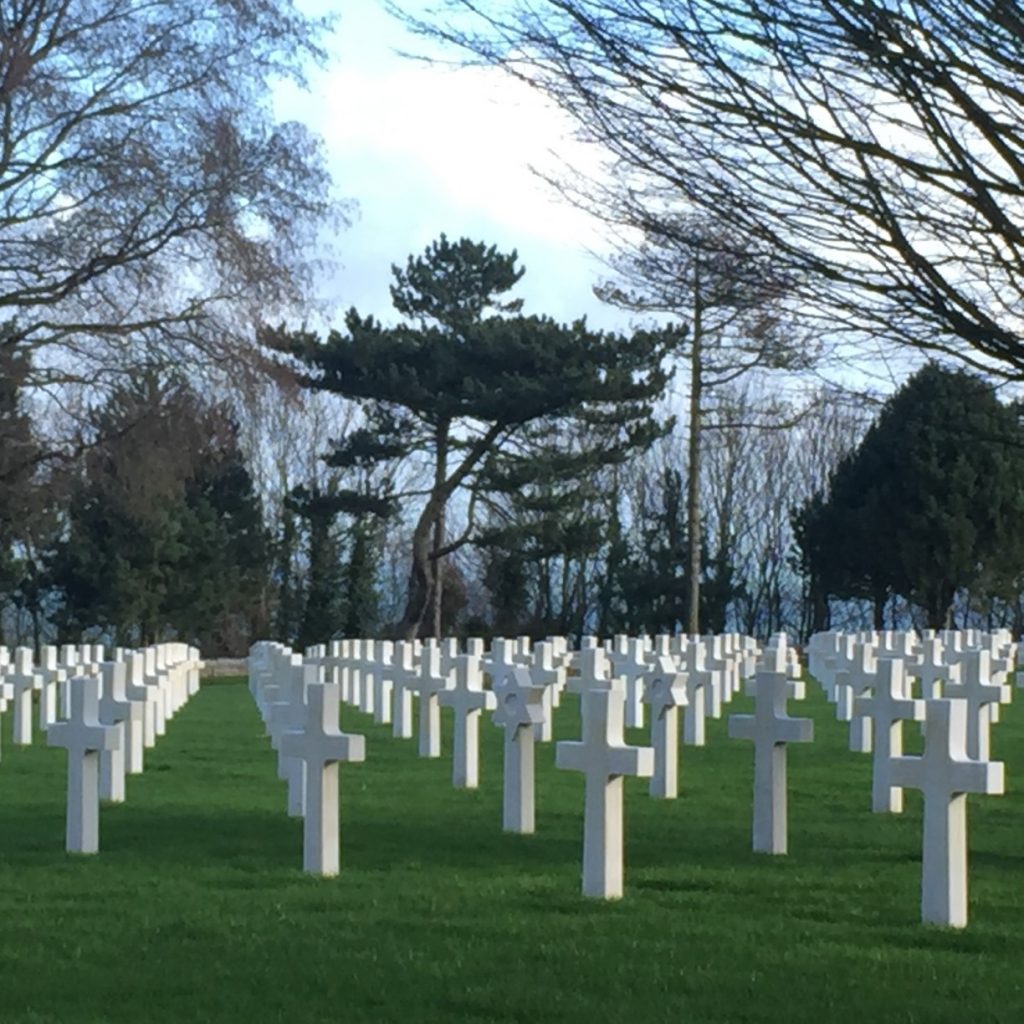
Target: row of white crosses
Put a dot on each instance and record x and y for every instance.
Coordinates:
(104, 713)
(302, 714)
(961, 678)
(616, 681)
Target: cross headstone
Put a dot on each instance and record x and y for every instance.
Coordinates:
(429, 684)
(384, 684)
(771, 728)
(519, 707)
(980, 693)
(888, 709)
(6, 695)
(604, 759)
(25, 680)
(115, 708)
(699, 682)
(629, 663)
(52, 677)
(856, 680)
(467, 698)
(665, 691)
(945, 775)
(404, 674)
(84, 737)
(550, 676)
(319, 745)
(367, 672)
(932, 670)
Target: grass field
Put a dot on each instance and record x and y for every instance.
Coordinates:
(196, 908)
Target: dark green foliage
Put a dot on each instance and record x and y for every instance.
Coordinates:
(324, 605)
(164, 534)
(930, 503)
(362, 601)
(464, 385)
(24, 523)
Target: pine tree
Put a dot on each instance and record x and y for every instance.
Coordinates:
(465, 379)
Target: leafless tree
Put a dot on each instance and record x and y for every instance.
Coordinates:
(149, 204)
(875, 146)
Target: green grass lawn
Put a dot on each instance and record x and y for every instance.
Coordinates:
(196, 908)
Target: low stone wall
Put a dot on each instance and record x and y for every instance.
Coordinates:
(214, 668)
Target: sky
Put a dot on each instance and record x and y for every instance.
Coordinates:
(423, 149)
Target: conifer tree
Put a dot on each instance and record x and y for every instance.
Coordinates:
(930, 503)
(463, 379)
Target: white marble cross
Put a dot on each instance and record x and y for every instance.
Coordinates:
(318, 745)
(931, 670)
(500, 658)
(888, 709)
(771, 728)
(629, 663)
(137, 690)
(665, 691)
(429, 684)
(856, 680)
(699, 682)
(467, 699)
(116, 708)
(84, 737)
(384, 684)
(6, 695)
(550, 676)
(53, 677)
(592, 664)
(604, 758)
(25, 680)
(404, 674)
(946, 775)
(519, 707)
(287, 712)
(367, 672)
(976, 687)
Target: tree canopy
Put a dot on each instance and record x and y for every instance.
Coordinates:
(930, 503)
(472, 377)
(149, 202)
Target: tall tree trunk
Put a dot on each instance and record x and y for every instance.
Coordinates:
(693, 467)
(440, 475)
(421, 574)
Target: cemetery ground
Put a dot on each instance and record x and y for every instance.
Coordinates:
(196, 908)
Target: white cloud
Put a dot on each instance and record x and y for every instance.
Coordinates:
(424, 149)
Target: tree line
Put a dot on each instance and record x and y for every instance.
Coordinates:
(787, 180)
(522, 476)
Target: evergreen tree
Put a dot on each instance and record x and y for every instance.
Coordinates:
(930, 503)
(164, 533)
(465, 379)
(21, 511)
(324, 608)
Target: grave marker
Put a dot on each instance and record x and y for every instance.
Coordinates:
(519, 707)
(84, 737)
(665, 691)
(604, 759)
(888, 708)
(771, 728)
(945, 775)
(25, 681)
(467, 699)
(318, 745)
(981, 694)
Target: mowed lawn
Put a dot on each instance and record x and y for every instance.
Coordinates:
(196, 909)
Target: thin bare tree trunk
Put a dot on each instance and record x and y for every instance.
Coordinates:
(693, 466)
